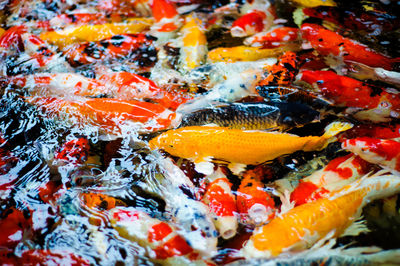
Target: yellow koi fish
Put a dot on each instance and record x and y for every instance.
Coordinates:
(91, 33)
(237, 146)
(314, 3)
(194, 49)
(303, 226)
(245, 53)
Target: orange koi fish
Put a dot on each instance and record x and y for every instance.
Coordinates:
(14, 222)
(314, 3)
(327, 42)
(161, 240)
(273, 38)
(199, 144)
(380, 105)
(384, 152)
(118, 47)
(109, 114)
(338, 173)
(221, 202)
(253, 201)
(301, 227)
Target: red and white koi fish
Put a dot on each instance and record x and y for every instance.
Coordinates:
(273, 38)
(366, 101)
(327, 42)
(303, 226)
(119, 85)
(222, 204)
(384, 152)
(257, 16)
(167, 20)
(162, 242)
(339, 173)
(253, 201)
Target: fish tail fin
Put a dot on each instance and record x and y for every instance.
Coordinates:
(335, 128)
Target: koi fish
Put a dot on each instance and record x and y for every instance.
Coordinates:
(375, 131)
(273, 38)
(40, 257)
(283, 72)
(355, 18)
(75, 151)
(199, 144)
(194, 48)
(245, 53)
(384, 152)
(167, 20)
(338, 173)
(109, 114)
(249, 24)
(302, 226)
(161, 240)
(327, 42)
(93, 33)
(132, 47)
(253, 201)
(273, 115)
(222, 204)
(371, 103)
(120, 85)
(234, 88)
(190, 215)
(14, 222)
(363, 72)
(314, 3)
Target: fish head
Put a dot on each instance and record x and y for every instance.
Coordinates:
(366, 148)
(297, 114)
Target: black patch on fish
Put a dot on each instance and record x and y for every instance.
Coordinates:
(93, 50)
(117, 40)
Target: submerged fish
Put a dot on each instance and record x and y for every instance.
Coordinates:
(274, 115)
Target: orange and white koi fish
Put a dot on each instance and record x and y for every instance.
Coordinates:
(339, 173)
(327, 42)
(93, 33)
(161, 240)
(384, 152)
(366, 101)
(221, 202)
(273, 38)
(108, 114)
(384, 131)
(167, 20)
(194, 44)
(253, 201)
(303, 226)
(201, 143)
